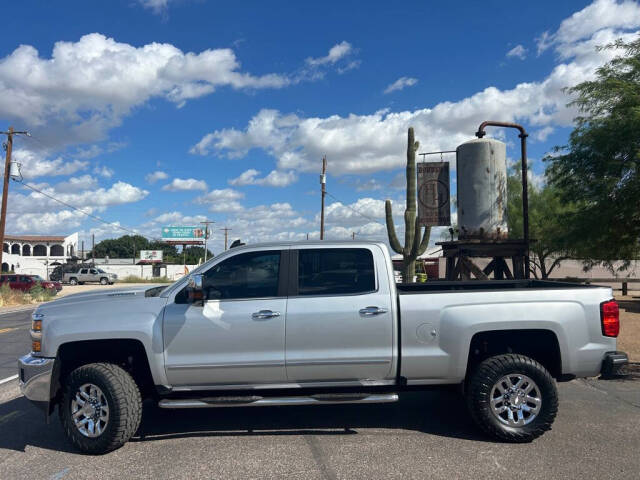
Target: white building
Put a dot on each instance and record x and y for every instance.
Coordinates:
(34, 254)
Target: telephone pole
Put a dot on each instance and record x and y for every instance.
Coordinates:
(5, 189)
(323, 184)
(226, 236)
(206, 224)
(353, 235)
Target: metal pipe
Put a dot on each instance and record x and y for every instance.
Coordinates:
(525, 189)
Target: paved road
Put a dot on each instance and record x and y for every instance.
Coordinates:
(425, 435)
(14, 340)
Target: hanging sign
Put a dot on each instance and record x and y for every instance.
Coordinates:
(434, 208)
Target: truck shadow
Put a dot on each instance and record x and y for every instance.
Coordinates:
(441, 413)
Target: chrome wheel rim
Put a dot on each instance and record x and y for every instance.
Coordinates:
(90, 410)
(515, 400)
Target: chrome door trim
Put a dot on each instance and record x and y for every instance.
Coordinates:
(345, 361)
(226, 365)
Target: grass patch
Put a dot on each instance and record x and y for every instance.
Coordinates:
(136, 279)
(37, 294)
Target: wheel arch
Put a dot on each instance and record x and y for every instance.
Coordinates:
(127, 353)
(541, 345)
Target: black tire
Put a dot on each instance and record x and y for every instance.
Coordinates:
(73, 281)
(479, 390)
(123, 399)
(104, 281)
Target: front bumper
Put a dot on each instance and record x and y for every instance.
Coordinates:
(35, 375)
(613, 363)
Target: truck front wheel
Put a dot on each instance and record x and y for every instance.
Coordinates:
(101, 407)
(512, 398)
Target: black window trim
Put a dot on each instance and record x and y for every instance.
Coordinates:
(283, 275)
(293, 274)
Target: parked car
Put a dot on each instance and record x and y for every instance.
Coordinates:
(86, 275)
(314, 323)
(26, 282)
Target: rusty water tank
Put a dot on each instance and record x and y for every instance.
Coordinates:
(481, 166)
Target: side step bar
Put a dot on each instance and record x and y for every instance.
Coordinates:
(256, 401)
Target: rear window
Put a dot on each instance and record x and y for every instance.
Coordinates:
(335, 271)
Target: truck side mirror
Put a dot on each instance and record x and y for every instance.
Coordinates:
(195, 290)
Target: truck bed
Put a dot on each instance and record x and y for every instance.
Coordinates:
(442, 286)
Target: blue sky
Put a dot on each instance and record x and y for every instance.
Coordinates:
(159, 112)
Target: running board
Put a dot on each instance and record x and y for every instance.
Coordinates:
(256, 401)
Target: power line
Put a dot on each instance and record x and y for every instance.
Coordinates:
(95, 217)
(355, 210)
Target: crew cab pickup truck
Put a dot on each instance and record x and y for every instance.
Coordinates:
(314, 324)
(85, 275)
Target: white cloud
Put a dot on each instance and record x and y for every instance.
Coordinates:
(222, 200)
(158, 7)
(45, 222)
(87, 87)
(153, 177)
(400, 84)
(377, 141)
(76, 184)
(34, 164)
(186, 184)
(103, 171)
(273, 179)
(518, 52)
(70, 192)
(336, 53)
(601, 14)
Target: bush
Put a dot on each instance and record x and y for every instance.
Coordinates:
(40, 294)
(136, 279)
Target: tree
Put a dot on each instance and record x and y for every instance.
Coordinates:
(599, 170)
(413, 245)
(195, 255)
(123, 247)
(547, 214)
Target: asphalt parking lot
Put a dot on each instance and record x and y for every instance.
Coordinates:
(424, 435)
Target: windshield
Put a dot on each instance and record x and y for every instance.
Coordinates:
(100, 270)
(38, 278)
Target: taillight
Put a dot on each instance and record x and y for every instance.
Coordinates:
(610, 318)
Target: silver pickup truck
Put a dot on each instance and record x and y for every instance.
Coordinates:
(314, 323)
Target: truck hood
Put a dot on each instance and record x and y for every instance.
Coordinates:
(77, 300)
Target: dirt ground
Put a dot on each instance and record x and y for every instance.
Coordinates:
(629, 339)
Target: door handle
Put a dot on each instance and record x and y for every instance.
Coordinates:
(371, 311)
(264, 314)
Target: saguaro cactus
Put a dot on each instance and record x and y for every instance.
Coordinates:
(413, 245)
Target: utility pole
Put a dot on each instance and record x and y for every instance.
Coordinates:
(206, 224)
(353, 235)
(5, 189)
(226, 236)
(323, 185)
(93, 248)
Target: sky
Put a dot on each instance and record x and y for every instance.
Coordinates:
(170, 112)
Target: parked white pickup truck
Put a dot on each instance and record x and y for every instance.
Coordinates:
(311, 324)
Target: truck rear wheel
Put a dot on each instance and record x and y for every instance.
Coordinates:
(101, 407)
(512, 398)
(73, 281)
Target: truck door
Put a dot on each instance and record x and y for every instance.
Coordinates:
(339, 317)
(83, 275)
(237, 337)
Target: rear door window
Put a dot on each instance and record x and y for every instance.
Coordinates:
(83, 271)
(335, 271)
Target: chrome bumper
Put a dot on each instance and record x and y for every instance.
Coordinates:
(35, 379)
